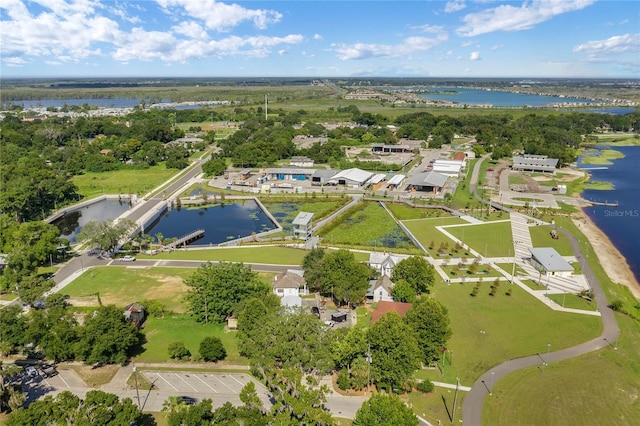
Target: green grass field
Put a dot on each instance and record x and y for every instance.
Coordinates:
(120, 286)
(367, 225)
(264, 254)
(541, 237)
(488, 330)
(425, 231)
(125, 181)
(603, 157)
(573, 301)
(598, 388)
(160, 332)
(492, 238)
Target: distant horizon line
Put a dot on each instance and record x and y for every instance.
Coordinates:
(5, 78)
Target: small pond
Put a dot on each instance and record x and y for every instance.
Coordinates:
(71, 223)
(221, 222)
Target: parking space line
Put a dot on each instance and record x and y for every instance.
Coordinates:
(205, 383)
(233, 377)
(166, 381)
(187, 383)
(230, 388)
(64, 381)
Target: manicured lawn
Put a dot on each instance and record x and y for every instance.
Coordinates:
(492, 238)
(483, 271)
(160, 332)
(425, 231)
(120, 286)
(125, 181)
(541, 237)
(573, 301)
(488, 330)
(432, 408)
(598, 388)
(367, 225)
(265, 254)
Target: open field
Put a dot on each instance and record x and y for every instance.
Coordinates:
(120, 286)
(541, 237)
(598, 388)
(124, 181)
(160, 332)
(492, 239)
(265, 254)
(573, 301)
(368, 224)
(488, 330)
(425, 231)
(436, 406)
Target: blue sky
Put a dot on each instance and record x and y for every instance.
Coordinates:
(184, 38)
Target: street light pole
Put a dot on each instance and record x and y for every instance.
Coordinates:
(493, 373)
(548, 349)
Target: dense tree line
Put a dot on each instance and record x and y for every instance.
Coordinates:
(106, 336)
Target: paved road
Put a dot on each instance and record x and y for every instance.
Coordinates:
(474, 401)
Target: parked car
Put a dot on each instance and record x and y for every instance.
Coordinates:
(31, 371)
(48, 370)
(127, 259)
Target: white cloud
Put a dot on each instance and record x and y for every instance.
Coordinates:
(454, 6)
(14, 61)
(431, 29)
(612, 45)
(191, 29)
(496, 47)
(474, 56)
(408, 46)
(511, 18)
(220, 16)
(317, 37)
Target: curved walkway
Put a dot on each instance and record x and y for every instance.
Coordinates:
(474, 401)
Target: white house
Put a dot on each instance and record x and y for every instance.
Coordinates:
(302, 225)
(301, 161)
(380, 290)
(384, 262)
(288, 283)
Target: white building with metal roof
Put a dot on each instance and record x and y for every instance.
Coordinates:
(548, 261)
(351, 177)
(428, 181)
(534, 163)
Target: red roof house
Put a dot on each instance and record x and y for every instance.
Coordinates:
(383, 307)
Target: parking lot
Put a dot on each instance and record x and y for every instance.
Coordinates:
(199, 383)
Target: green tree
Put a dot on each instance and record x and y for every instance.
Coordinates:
(107, 337)
(106, 234)
(214, 167)
(385, 410)
(212, 349)
(404, 292)
(430, 321)
(347, 347)
(217, 289)
(344, 277)
(200, 414)
(416, 271)
(395, 353)
(312, 266)
(13, 326)
(177, 350)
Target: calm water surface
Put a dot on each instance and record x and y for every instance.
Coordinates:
(622, 223)
(220, 222)
(71, 224)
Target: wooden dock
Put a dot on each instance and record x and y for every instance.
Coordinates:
(186, 239)
(602, 203)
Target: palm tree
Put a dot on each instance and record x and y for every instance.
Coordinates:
(174, 404)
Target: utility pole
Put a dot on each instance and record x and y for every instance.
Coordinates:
(135, 377)
(455, 399)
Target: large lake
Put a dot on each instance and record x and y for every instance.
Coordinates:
(622, 223)
(220, 222)
(495, 98)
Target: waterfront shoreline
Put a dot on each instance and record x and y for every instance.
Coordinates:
(612, 260)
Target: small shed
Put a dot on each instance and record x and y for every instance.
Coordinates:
(548, 261)
(340, 316)
(134, 312)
